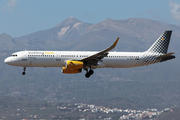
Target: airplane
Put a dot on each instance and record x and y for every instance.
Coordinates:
(73, 62)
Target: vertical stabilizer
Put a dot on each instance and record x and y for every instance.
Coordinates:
(161, 44)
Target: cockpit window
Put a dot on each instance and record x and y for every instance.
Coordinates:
(14, 55)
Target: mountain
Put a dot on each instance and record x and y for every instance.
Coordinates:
(72, 34)
(64, 32)
(56, 32)
(149, 86)
(6, 40)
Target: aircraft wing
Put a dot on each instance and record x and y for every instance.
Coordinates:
(93, 59)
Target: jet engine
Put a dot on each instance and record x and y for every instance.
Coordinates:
(68, 71)
(72, 67)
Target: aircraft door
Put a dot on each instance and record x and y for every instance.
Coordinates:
(24, 56)
(58, 58)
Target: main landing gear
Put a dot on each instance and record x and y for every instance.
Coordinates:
(89, 73)
(24, 69)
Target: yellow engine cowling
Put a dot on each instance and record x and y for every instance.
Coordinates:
(74, 65)
(70, 71)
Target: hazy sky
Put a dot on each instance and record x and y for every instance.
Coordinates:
(22, 17)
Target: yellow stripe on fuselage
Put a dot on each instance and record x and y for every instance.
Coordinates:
(47, 53)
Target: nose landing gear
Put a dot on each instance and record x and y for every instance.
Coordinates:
(88, 74)
(24, 69)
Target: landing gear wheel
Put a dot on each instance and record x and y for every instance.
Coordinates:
(91, 72)
(24, 69)
(87, 75)
(23, 73)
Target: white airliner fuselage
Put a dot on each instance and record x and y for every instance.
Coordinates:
(58, 58)
(75, 61)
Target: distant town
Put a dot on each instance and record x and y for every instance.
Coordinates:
(128, 113)
(75, 111)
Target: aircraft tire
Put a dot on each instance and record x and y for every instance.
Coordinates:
(87, 75)
(23, 73)
(91, 72)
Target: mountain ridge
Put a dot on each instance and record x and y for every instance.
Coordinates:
(77, 31)
(69, 21)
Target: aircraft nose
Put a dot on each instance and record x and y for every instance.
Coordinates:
(7, 61)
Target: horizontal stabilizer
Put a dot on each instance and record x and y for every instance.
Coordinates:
(165, 55)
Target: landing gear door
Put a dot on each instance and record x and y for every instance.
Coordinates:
(24, 56)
